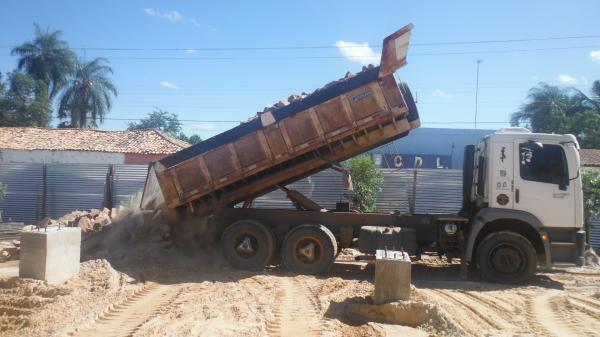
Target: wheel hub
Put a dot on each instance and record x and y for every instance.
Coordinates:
(245, 247)
(507, 260)
(308, 251)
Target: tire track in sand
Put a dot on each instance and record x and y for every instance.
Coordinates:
(126, 317)
(297, 314)
(551, 312)
(467, 317)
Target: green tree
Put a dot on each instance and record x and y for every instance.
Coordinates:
(159, 120)
(367, 179)
(166, 122)
(554, 109)
(47, 58)
(591, 195)
(586, 126)
(548, 109)
(86, 98)
(25, 103)
(2, 191)
(193, 139)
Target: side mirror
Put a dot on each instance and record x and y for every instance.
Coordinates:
(564, 182)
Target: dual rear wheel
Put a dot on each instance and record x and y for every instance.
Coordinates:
(306, 249)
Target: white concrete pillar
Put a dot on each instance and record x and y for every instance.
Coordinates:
(392, 276)
(51, 255)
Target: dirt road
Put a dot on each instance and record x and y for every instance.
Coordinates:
(219, 301)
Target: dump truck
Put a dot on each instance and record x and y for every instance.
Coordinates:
(522, 200)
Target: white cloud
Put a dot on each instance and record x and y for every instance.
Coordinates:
(358, 52)
(441, 94)
(195, 23)
(567, 79)
(190, 51)
(173, 16)
(212, 29)
(203, 126)
(168, 85)
(595, 55)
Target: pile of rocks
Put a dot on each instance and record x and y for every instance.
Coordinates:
(91, 222)
(9, 250)
(298, 97)
(94, 220)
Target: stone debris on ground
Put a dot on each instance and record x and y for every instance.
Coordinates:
(91, 222)
(9, 250)
(591, 258)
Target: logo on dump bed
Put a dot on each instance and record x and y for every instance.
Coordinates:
(362, 96)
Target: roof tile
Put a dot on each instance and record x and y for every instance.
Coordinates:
(590, 157)
(138, 141)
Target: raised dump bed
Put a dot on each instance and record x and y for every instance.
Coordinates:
(345, 118)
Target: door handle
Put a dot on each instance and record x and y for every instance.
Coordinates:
(517, 195)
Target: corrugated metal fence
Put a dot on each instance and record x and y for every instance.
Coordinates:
(36, 190)
(595, 235)
(22, 201)
(438, 191)
(83, 186)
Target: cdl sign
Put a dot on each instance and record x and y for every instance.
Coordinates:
(408, 161)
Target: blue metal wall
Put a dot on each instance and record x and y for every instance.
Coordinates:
(434, 141)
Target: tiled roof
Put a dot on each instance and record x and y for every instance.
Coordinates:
(590, 157)
(139, 141)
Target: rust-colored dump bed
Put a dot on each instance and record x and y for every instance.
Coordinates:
(341, 120)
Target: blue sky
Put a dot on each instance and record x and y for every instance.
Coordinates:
(211, 85)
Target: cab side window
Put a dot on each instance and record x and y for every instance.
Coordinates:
(546, 164)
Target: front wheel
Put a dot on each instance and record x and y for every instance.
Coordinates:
(506, 257)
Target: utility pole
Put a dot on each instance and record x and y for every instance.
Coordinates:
(477, 90)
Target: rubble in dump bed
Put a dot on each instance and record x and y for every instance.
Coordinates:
(298, 97)
(90, 222)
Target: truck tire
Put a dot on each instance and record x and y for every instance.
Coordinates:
(309, 249)
(506, 257)
(247, 244)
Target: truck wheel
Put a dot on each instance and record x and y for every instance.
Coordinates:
(247, 244)
(506, 257)
(309, 249)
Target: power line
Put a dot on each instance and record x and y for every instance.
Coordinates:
(439, 43)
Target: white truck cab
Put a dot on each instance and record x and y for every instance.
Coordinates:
(532, 172)
(527, 184)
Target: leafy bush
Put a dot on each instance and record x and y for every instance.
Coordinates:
(591, 194)
(367, 179)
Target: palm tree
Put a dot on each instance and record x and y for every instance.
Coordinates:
(87, 97)
(46, 58)
(549, 108)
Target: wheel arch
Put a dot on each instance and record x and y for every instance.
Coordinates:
(491, 220)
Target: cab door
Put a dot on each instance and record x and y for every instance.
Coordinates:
(541, 183)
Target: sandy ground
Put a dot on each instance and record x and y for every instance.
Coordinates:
(133, 283)
(203, 297)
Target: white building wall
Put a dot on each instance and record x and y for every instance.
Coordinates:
(64, 157)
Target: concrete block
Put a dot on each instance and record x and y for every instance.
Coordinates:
(51, 255)
(392, 276)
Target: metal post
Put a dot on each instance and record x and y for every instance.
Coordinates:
(477, 90)
(108, 188)
(580, 247)
(44, 189)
